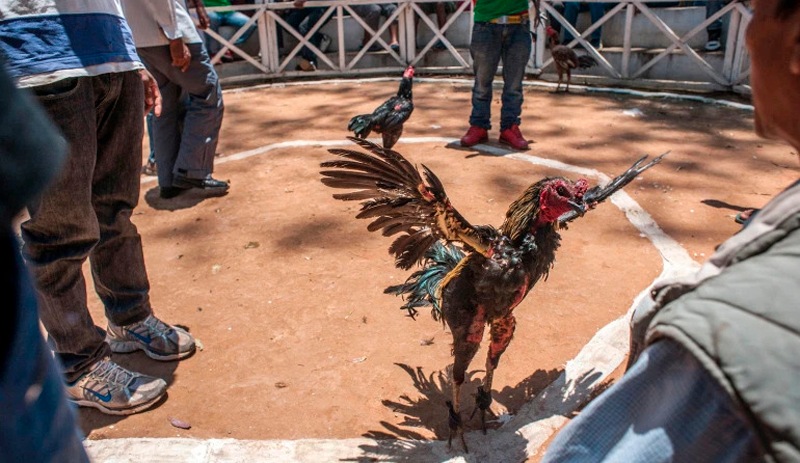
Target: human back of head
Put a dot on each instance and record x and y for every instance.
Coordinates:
(773, 39)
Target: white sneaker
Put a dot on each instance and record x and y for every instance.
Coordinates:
(713, 45)
(114, 390)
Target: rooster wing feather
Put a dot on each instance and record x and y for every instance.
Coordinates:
(401, 200)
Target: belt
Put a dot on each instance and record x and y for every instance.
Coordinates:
(511, 19)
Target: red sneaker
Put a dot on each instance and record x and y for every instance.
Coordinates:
(513, 137)
(474, 136)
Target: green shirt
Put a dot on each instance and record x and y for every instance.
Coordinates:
(486, 10)
(212, 3)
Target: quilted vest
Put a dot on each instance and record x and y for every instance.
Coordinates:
(740, 317)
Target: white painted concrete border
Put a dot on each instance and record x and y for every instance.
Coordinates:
(521, 437)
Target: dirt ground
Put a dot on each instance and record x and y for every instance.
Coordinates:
(284, 288)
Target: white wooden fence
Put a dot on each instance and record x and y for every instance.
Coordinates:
(624, 64)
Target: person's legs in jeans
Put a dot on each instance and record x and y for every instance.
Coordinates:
(86, 214)
(314, 15)
(714, 30)
(571, 11)
(596, 12)
(214, 23)
(516, 52)
(485, 50)
(237, 20)
(197, 139)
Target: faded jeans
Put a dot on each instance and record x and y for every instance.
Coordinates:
(715, 28)
(86, 213)
(186, 134)
(491, 43)
(218, 19)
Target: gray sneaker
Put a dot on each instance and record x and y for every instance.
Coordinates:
(157, 339)
(115, 390)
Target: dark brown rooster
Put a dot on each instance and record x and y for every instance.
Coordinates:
(388, 118)
(472, 276)
(565, 58)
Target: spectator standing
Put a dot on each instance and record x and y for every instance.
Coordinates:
(501, 31)
(86, 74)
(713, 366)
(217, 19)
(186, 134)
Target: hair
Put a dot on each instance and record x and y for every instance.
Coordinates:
(787, 7)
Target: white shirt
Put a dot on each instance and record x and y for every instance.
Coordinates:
(155, 22)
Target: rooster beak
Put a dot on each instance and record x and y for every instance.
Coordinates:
(579, 207)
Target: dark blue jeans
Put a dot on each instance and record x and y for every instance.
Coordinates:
(86, 213)
(596, 11)
(491, 43)
(303, 20)
(187, 132)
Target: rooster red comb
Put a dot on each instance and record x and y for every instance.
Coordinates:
(550, 31)
(409, 72)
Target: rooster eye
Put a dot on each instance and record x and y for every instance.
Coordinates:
(561, 191)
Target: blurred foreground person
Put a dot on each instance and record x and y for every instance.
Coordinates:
(38, 424)
(714, 367)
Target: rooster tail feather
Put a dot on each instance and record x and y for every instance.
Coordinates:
(421, 288)
(586, 61)
(361, 125)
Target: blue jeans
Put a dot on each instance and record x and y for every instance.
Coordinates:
(235, 19)
(491, 43)
(714, 29)
(187, 132)
(302, 20)
(596, 11)
(86, 213)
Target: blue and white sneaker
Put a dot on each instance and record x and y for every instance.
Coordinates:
(114, 390)
(157, 339)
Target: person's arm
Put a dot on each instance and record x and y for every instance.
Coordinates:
(202, 14)
(666, 408)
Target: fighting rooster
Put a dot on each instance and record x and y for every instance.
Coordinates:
(388, 118)
(565, 58)
(471, 275)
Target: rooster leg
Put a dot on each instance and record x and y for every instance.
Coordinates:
(502, 330)
(467, 335)
(569, 79)
(560, 78)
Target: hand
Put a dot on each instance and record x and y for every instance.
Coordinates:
(202, 16)
(181, 57)
(299, 3)
(152, 96)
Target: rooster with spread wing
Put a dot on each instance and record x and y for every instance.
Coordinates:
(472, 276)
(389, 117)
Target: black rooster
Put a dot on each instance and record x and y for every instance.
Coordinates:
(490, 271)
(388, 118)
(565, 58)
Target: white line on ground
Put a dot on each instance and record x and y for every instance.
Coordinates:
(518, 439)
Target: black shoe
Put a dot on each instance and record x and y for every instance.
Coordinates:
(168, 192)
(208, 184)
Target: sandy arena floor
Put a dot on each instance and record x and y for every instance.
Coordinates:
(284, 288)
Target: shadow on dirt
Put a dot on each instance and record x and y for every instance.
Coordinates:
(503, 443)
(185, 200)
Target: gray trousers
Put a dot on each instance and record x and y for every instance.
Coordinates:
(185, 136)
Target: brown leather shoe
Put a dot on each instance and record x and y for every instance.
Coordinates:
(474, 136)
(513, 137)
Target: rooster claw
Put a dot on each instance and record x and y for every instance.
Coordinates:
(483, 400)
(456, 427)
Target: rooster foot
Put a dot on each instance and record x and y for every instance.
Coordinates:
(456, 427)
(483, 400)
